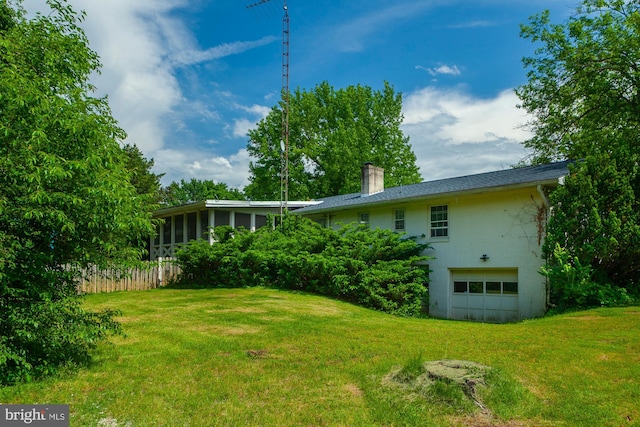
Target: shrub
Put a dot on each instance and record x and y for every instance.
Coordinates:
(572, 285)
(593, 236)
(374, 268)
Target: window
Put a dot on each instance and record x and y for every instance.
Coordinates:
(363, 218)
(493, 287)
(192, 225)
(261, 221)
(156, 238)
(166, 231)
(510, 288)
(204, 223)
(476, 287)
(222, 218)
(243, 220)
(460, 287)
(479, 287)
(399, 220)
(439, 221)
(179, 227)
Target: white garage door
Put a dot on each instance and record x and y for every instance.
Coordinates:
(485, 295)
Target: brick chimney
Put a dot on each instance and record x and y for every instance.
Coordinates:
(372, 179)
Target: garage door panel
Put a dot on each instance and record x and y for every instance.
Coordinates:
(493, 316)
(490, 295)
(476, 314)
(510, 302)
(460, 301)
(460, 313)
(493, 302)
(476, 301)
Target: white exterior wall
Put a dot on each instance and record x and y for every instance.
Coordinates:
(503, 225)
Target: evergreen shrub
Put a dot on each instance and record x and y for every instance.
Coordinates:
(378, 269)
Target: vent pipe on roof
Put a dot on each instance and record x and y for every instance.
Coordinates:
(372, 181)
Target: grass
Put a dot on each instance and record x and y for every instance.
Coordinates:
(236, 357)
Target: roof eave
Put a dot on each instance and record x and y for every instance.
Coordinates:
(473, 191)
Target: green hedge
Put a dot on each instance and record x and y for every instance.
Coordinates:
(377, 269)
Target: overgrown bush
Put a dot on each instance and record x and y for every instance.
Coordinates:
(593, 236)
(44, 336)
(378, 269)
(572, 286)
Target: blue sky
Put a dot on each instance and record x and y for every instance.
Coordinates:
(186, 79)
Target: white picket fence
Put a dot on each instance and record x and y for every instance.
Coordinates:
(157, 274)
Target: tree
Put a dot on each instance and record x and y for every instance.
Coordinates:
(583, 95)
(596, 222)
(332, 133)
(66, 198)
(583, 81)
(144, 181)
(197, 190)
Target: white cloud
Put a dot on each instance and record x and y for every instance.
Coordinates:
(442, 69)
(142, 44)
(473, 24)
(186, 164)
(133, 40)
(190, 57)
(260, 111)
(242, 126)
(453, 133)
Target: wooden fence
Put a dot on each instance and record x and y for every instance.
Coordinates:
(157, 274)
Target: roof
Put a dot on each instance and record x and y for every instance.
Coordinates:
(548, 174)
(233, 204)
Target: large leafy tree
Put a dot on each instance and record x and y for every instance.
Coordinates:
(583, 81)
(66, 198)
(142, 178)
(196, 190)
(331, 134)
(596, 221)
(583, 96)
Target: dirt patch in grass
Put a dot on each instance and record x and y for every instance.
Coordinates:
(318, 310)
(239, 310)
(482, 419)
(140, 319)
(258, 354)
(224, 330)
(353, 390)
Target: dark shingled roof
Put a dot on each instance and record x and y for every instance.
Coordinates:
(530, 175)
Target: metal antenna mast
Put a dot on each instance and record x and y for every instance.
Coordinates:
(284, 141)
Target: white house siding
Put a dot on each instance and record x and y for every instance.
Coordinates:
(504, 225)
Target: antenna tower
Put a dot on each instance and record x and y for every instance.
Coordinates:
(284, 137)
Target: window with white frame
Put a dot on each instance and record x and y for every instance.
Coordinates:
(363, 218)
(439, 221)
(398, 220)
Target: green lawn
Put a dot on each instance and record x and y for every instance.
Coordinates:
(236, 357)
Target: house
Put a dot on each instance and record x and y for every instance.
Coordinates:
(485, 232)
(192, 221)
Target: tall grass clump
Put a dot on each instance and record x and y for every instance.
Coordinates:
(377, 269)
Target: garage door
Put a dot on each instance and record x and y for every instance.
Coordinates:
(485, 295)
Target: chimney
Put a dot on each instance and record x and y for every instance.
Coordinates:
(372, 179)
